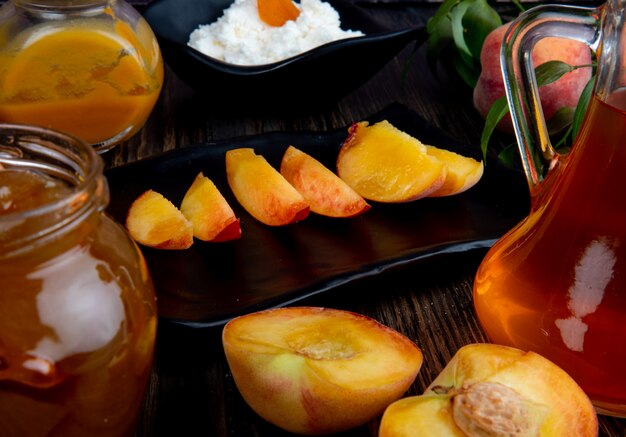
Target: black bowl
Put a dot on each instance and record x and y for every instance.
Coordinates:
(320, 76)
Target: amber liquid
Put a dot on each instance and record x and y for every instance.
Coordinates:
(556, 284)
(77, 322)
(105, 94)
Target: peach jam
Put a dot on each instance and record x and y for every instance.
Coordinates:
(91, 68)
(77, 306)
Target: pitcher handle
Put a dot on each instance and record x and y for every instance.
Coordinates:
(572, 22)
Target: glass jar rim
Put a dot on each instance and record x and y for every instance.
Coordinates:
(65, 4)
(62, 156)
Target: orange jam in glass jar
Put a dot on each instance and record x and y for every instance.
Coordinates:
(77, 306)
(90, 68)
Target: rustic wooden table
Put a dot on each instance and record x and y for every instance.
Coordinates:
(191, 391)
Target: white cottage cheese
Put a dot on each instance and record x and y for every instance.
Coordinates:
(241, 37)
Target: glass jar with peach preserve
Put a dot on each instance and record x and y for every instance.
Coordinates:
(77, 305)
(90, 68)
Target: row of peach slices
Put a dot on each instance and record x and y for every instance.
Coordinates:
(376, 162)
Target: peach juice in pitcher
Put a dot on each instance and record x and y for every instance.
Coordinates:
(556, 283)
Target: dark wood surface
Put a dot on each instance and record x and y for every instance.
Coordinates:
(191, 391)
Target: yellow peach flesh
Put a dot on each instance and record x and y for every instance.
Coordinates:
(315, 370)
(154, 221)
(384, 164)
(419, 415)
(548, 401)
(462, 172)
(262, 190)
(207, 210)
(325, 192)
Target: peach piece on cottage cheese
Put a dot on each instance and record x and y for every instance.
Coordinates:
(241, 37)
(277, 12)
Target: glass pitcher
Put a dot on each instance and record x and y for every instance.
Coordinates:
(556, 283)
(89, 68)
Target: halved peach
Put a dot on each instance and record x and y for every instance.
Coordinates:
(315, 370)
(209, 212)
(154, 221)
(325, 192)
(492, 390)
(462, 172)
(384, 164)
(262, 190)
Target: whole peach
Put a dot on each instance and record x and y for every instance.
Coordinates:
(565, 92)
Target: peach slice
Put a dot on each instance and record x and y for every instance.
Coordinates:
(325, 192)
(315, 370)
(492, 390)
(462, 172)
(209, 212)
(262, 190)
(277, 12)
(384, 164)
(154, 221)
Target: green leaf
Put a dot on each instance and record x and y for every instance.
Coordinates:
(560, 121)
(560, 125)
(519, 5)
(479, 20)
(440, 15)
(581, 108)
(496, 113)
(458, 31)
(468, 74)
(563, 145)
(439, 38)
(509, 156)
(551, 71)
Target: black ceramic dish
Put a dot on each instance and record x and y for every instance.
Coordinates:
(317, 77)
(212, 282)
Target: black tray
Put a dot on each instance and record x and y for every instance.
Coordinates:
(210, 283)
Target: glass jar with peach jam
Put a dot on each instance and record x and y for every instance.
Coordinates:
(89, 68)
(77, 305)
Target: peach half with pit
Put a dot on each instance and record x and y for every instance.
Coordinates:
(312, 370)
(325, 192)
(492, 390)
(209, 212)
(154, 221)
(385, 164)
(262, 190)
